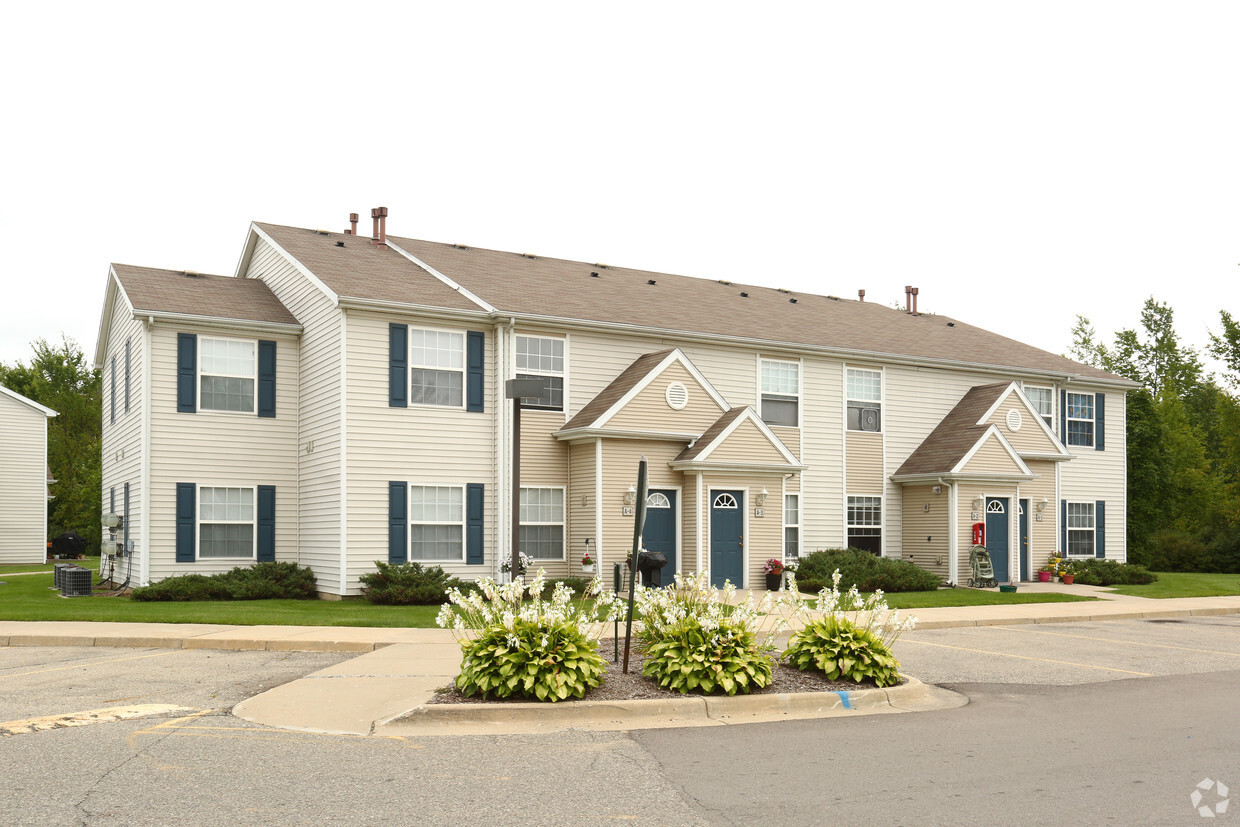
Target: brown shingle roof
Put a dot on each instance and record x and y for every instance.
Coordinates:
(712, 433)
(172, 291)
(616, 389)
(958, 432)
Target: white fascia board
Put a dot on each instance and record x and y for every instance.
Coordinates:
(449, 282)
(580, 434)
(431, 311)
(695, 465)
(257, 233)
(243, 325)
(993, 433)
(1061, 453)
(675, 356)
(749, 415)
(43, 409)
(110, 292)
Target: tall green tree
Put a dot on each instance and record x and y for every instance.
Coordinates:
(61, 378)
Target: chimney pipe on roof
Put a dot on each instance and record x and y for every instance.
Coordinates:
(915, 292)
(352, 224)
(908, 298)
(861, 295)
(379, 215)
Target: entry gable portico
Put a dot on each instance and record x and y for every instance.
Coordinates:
(738, 440)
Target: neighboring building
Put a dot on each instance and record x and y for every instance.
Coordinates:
(24, 481)
(341, 400)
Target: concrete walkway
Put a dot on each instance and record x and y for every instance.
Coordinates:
(384, 690)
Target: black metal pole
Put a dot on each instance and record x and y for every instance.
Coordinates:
(639, 522)
(516, 486)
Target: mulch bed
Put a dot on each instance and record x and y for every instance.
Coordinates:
(617, 686)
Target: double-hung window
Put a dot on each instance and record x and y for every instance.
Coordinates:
(436, 523)
(865, 400)
(1081, 529)
(539, 357)
(226, 375)
(1043, 401)
(792, 526)
(542, 523)
(865, 524)
(781, 392)
(437, 368)
(226, 523)
(1080, 419)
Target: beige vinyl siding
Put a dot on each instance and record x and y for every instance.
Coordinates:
(649, 411)
(419, 445)
(746, 444)
(967, 516)
(926, 536)
(318, 401)
(991, 458)
(620, 461)
(582, 507)
(1043, 525)
(122, 460)
(822, 481)
(790, 437)
(1101, 475)
(213, 448)
(865, 464)
(23, 485)
(1030, 438)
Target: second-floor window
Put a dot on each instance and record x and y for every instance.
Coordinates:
(436, 368)
(1080, 419)
(225, 375)
(781, 392)
(540, 357)
(865, 400)
(1043, 400)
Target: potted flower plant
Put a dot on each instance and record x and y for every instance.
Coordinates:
(524, 564)
(587, 563)
(1051, 567)
(774, 571)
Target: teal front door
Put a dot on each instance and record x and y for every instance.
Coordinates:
(659, 533)
(727, 538)
(997, 536)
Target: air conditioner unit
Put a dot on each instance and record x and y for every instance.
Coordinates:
(869, 419)
(75, 582)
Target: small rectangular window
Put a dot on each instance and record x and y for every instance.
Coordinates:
(1043, 401)
(865, 524)
(542, 358)
(436, 523)
(865, 400)
(792, 526)
(542, 523)
(226, 523)
(437, 368)
(1081, 528)
(781, 392)
(225, 375)
(1080, 417)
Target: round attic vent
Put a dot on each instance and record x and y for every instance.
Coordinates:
(1014, 420)
(677, 396)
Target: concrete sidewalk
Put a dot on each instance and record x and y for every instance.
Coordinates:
(384, 690)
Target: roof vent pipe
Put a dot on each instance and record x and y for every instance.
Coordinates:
(861, 295)
(379, 237)
(352, 224)
(915, 292)
(908, 298)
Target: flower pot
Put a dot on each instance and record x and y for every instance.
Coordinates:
(773, 581)
(1044, 576)
(1069, 579)
(1007, 589)
(588, 569)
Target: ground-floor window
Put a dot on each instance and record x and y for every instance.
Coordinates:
(792, 526)
(542, 523)
(1081, 530)
(436, 522)
(225, 522)
(865, 524)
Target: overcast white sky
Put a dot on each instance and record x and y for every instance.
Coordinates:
(1019, 163)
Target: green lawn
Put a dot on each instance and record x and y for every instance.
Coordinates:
(32, 598)
(1185, 584)
(91, 563)
(974, 597)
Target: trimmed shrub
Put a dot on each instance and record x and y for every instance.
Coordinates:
(1110, 573)
(843, 651)
(407, 584)
(868, 572)
(262, 581)
(1180, 551)
(547, 661)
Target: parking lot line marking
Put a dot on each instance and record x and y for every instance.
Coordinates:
(85, 718)
(1114, 640)
(93, 663)
(1028, 657)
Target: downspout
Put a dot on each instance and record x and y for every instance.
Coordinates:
(144, 488)
(503, 497)
(953, 532)
(344, 454)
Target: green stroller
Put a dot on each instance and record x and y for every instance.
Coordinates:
(983, 572)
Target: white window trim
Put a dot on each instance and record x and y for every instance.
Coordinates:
(198, 374)
(198, 521)
(788, 525)
(882, 398)
(882, 519)
(799, 395)
(1093, 420)
(409, 556)
(463, 370)
(563, 374)
(1051, 392)
(562, 522)
(1068, 529)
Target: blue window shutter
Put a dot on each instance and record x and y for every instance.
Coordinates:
(113, 388)
(473, 523)
(1100, 524)
(476, 364)
(187, 373)
(398, 522)
(266, 523)
(1063, 418)
(398, 366)
(128, 361)
(112, 500)
(186, 506)
(1099, 420)
(266, 379)
(1063, 527)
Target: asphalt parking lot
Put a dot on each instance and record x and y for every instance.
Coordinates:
(1062, 654)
